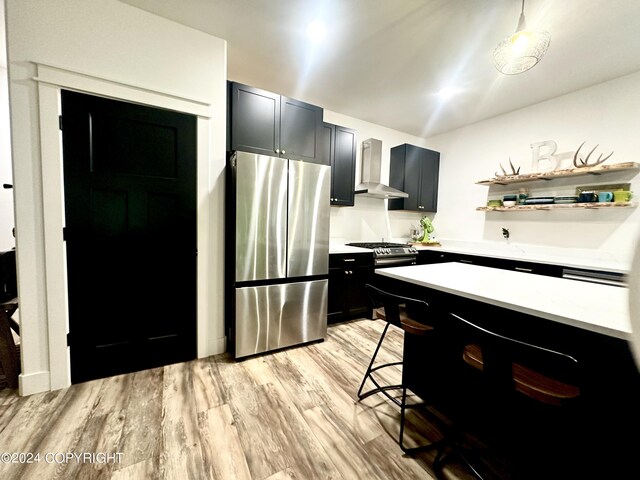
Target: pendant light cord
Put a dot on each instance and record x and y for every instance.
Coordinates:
(522, 24)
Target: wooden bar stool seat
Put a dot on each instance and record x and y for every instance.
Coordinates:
(507, 386)
(527, 380)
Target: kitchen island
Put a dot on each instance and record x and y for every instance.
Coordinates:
(598, 308)
(588, 321)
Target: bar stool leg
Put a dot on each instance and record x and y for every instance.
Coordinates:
(370, 368)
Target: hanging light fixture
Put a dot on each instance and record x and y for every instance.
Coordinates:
(519, 52)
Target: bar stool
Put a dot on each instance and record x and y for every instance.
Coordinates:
(403, 313)
(502, 377)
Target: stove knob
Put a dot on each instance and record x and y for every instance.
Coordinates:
(388, 250)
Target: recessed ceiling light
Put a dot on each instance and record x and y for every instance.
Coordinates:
(447, 92)
(316, 31)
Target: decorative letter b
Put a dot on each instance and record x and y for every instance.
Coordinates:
(548, 157)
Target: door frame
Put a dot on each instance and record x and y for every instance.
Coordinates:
(51, 80)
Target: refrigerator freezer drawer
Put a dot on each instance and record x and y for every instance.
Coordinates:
(276, 316)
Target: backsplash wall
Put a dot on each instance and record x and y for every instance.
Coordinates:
(369, 219)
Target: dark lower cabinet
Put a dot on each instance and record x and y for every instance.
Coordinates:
(526, 267)
(549, 270)
(348, 275)
(339, 150)
(434, 256)
(270, 124)
(414, 170)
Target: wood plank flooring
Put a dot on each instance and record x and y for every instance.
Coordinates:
(292, 414)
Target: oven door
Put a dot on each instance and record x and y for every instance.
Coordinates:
(394, 261)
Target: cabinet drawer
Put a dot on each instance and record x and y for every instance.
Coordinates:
(342, 260)
(527, 267)
(426, 257)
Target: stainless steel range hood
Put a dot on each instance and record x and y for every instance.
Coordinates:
(371, 165)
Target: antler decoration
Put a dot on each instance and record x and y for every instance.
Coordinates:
(585, 162)
(513, 170)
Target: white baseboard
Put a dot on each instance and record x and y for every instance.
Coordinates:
(34, 383)
(215, 346)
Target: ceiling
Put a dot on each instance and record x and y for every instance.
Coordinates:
(384, 61)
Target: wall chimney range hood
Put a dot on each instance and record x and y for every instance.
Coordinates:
(371, 166)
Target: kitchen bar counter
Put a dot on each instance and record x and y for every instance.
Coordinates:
(598, 308)
(588, 321)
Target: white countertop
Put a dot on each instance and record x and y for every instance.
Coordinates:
(598, 308)
(572, 258)
(338, 248)
(588, 260)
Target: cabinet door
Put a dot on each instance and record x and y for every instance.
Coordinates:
(429, 170)
(343, 167)
(396, 176)
(327, 141)
(358, 299)
(255, 120)
(412, 177)
(300, 130)
(337, 295)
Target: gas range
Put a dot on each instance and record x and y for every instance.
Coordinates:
(387, 254)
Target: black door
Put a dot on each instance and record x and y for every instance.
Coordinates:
(130, 205)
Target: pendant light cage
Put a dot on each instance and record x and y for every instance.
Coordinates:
(521, 51)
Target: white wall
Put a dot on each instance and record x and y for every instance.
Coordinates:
(7, 241)
(607, 114)
(369, 219)
(144, 57)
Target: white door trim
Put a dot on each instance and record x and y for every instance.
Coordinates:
(51, 80)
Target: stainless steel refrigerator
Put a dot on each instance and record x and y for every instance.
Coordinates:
(278, 216)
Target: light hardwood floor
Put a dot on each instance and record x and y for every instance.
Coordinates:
(292, 414)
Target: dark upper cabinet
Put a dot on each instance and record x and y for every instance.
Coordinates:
(339, 151)
(270, 124)
(255, 120)
(300, 130)
(415, 171)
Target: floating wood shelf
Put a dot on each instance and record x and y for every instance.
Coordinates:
(558, 206)
(570, 172)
